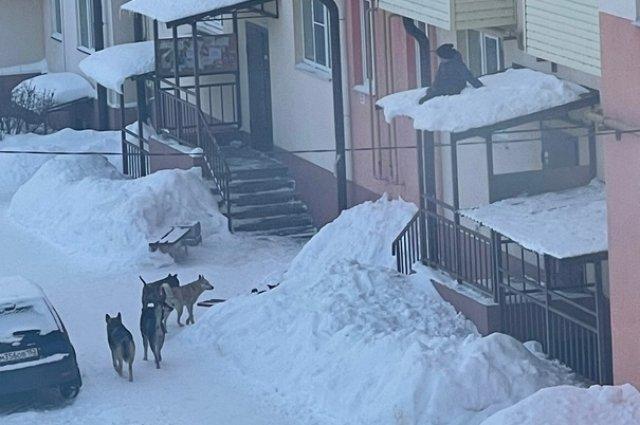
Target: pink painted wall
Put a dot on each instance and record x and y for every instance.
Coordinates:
(176, 159)
(621, 100)
(396, 71)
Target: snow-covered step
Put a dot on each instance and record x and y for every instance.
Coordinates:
(257, 211)
(263, 198)
(272, 223)
(261, 185)
(297, 232)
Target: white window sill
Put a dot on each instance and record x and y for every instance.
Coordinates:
(364, 89)
(318, 73)
(57, 36)
(86, 50)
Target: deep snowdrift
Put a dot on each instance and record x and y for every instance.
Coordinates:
(361, 344)
(85, 206)
(363, 233)
(16, 169)
(566, 405)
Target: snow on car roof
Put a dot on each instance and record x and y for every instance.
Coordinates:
(17, 288)
(112, 66)
(172, 10)
(561, 224)
(505, 95)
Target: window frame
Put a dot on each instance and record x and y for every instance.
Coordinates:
(367, 46)
(326, 67)
(56, 15)
(90, 36)
(483, 51)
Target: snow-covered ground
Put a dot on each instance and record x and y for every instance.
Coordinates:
(344, 339)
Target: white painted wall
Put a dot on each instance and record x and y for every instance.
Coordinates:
(302, 100)
(21, 32)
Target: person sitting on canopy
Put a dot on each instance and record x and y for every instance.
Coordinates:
(452, 75)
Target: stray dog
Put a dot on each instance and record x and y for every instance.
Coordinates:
(152, 331)
(186, 295)
(152, 292)
(121, 344)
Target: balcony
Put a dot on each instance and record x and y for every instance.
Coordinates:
(456, 15)
(567, 33)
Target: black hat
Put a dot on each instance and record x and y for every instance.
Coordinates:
(446, 51)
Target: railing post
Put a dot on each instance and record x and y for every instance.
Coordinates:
(123, 134)
(156, 80)
(176, 74)
(196, 76)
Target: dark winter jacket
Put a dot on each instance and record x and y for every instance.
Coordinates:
(451, 78)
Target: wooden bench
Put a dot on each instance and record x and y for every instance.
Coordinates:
(177, 239)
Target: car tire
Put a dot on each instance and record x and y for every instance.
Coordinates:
(69, 392)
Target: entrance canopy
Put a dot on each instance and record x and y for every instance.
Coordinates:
(505, 97)
(564, 224)
(176, 12)
(112, 66)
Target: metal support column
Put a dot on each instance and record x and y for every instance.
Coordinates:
(123, 135)
(196, 77)
(98, 44)
(176, 74)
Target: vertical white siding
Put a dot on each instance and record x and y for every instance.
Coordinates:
(566, 32)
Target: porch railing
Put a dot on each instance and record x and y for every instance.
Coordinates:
(133, 165)
(407, 247)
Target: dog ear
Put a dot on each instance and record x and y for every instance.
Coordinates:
(119, 316)
(107, 318)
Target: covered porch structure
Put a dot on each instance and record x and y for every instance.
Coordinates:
(524, 133)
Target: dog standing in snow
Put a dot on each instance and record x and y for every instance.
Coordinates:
(185, 296)
(152, 331)
(121, 344)
(152, 293)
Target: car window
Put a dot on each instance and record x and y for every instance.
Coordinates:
(24, 316)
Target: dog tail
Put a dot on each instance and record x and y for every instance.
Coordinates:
(143, 282)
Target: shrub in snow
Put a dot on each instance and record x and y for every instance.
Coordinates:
(363, 233)
(565, 405)
(84, 205)
(26, 110)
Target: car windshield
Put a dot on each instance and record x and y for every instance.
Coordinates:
(25, 316)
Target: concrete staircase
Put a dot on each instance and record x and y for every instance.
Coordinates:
(263, 199)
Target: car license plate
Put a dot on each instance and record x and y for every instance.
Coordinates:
(14, 356)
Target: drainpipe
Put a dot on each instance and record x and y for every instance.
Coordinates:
(98, 41)
(426, 147)
(338, 101)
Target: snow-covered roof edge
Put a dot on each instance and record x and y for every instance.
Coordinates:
(506, 96)
(112, 66)
(170, 10)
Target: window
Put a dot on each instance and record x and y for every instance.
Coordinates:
(56, 17)
(484, 53)
(315, 28)
(85, 24)
(366, 37)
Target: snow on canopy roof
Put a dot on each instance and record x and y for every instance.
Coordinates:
(63, 87)
(172, 10)
(506, 95)
(112, 66)
(561, 224)
(16, 288)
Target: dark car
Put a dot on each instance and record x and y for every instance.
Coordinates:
(35, 350)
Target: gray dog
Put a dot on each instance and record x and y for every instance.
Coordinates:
(152, 331)
(121, 344)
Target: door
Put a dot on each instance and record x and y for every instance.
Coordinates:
(259, 87)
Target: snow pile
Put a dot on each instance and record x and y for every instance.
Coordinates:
(562, 224)
(63, 87)
(171, 10)
(112, 66)
(16, 169)
(361, 344)
(566, 405)
(85, 206)
(505, 95)
(363, 233)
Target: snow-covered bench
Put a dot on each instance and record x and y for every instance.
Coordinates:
(176, 240)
